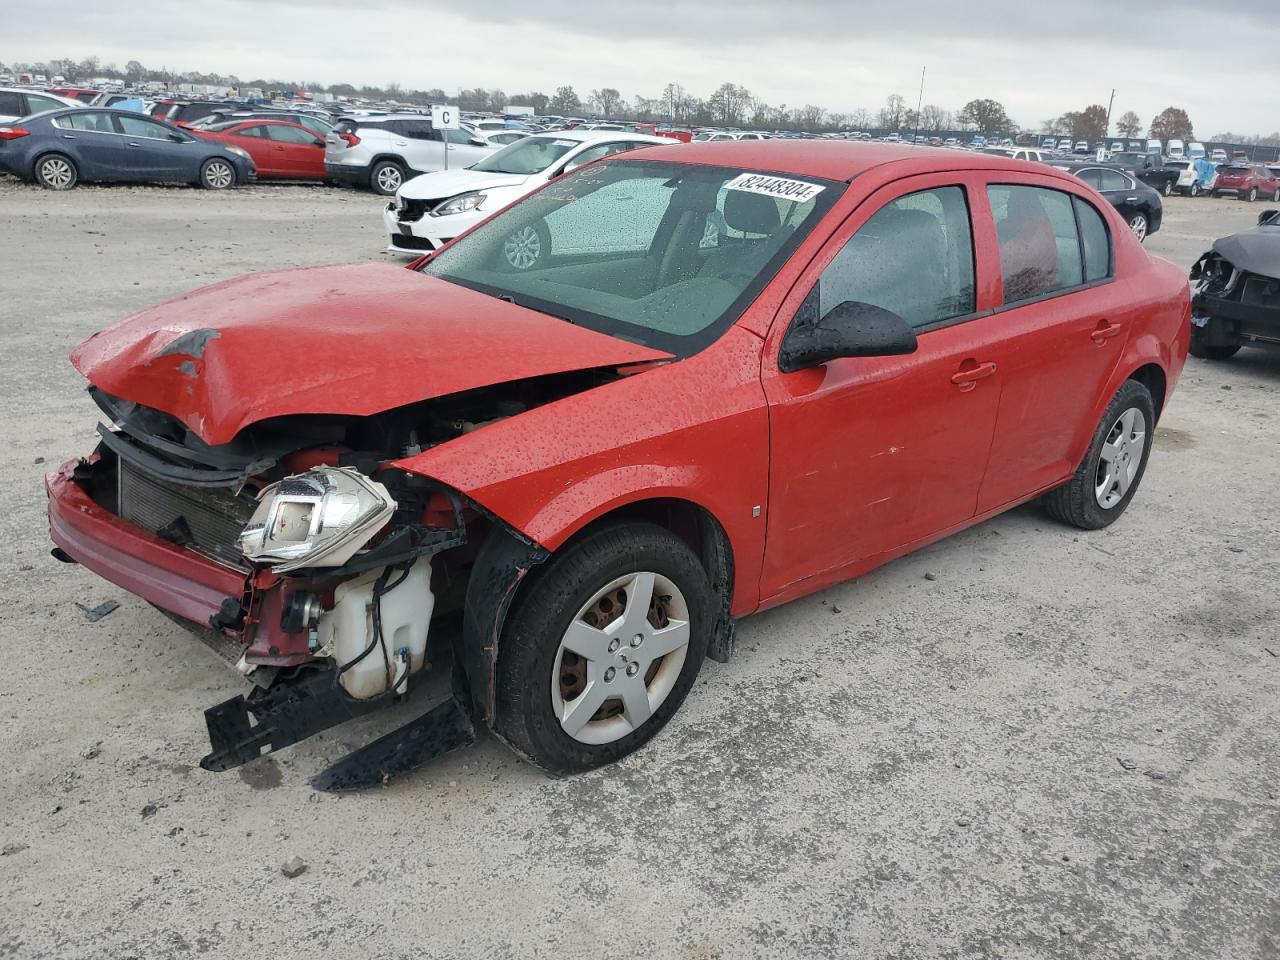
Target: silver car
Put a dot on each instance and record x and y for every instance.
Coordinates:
(382, 152)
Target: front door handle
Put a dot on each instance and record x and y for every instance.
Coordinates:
(1105, 330)
(68, 136)
(1130, 199)
(966, 378)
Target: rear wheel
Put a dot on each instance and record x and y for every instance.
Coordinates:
(1252, 195)
(1168, 188)
(385, 177)
(1205, 351)
(55, 171)
(1111, 470)
(217, 174)
(1139, 224)
(603, 647)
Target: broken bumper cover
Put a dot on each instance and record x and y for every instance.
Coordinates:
(169, 576)
(1236, 321)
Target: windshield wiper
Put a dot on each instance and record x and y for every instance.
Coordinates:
(510, 299)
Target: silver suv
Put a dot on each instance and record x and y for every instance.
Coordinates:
(382, 152)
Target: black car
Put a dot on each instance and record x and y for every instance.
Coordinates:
(1150, 169)
(60, 148)
(1236, 292)
(1138, 203)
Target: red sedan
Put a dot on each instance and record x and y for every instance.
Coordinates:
(740, 373)
(280, 149)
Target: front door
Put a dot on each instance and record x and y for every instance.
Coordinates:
(153, 152)
(869, 456)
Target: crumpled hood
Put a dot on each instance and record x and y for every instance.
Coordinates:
(355, 339)
(1255, 251)
(450, 183)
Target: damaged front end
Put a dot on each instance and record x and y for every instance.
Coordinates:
(336, 580)
(1236, 291)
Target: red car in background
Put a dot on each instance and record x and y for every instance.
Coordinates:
(281, 150)
(83, 94)
(1248, 181)
(743, 372)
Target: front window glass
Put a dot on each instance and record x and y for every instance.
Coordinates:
(290, 134)
(526, 157)
(37, 104)
(913, 258)
(622, 247)
(138, 127)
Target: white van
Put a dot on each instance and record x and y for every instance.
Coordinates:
(1176, 150)
(1155, 147)
(1195, 150)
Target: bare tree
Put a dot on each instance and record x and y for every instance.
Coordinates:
(1129, 125)
(607, 100)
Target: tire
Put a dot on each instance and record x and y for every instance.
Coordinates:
(540, 678)
(1088, 500)
(386, 177)
(1139, 225)
(527, 247)
(1214, 194)
(1275, 197)
(56, 171)
(1195, 190)
(1204, 351)
(1252, 195)
(217, 174)
(1168, 188)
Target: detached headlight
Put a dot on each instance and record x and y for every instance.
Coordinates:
(315, 519)
(239, 153)
(459, 204)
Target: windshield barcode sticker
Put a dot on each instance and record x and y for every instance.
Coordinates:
(777, 187)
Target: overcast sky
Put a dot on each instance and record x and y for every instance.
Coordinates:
(1218, 61)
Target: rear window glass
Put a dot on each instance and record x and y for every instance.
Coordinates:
(1237, 169)
(11, 104)
(1039, 241)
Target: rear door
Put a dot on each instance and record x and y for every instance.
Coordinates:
(1064, 322)
(91, 139)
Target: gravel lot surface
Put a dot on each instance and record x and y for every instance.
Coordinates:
(1057, 745)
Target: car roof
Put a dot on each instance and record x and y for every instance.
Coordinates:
(590, 136)
(841, 160)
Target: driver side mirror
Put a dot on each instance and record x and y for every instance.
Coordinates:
(1267, 215)
(318, 142)
(178, 138)
(850, 329)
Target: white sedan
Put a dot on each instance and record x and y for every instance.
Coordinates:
(429, 211)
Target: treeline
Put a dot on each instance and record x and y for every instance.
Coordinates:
(730, 105)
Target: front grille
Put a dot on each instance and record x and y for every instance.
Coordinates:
(414, 210)
(209, 520)
(1261, 291)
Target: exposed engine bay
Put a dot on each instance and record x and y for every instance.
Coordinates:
(348, 563)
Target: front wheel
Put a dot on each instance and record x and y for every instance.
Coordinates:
(1139, 224)
(602, 647)
(1111, 470)
(56, 172)
(217, 174)
(1204, 351)
(527, 246)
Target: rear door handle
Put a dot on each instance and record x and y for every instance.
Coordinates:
(1106, 330)
(68, 136)
(1130, 199)
(967, 378)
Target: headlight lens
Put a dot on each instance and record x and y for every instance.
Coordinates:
(239, 153)
(459, 204)
(315, 519)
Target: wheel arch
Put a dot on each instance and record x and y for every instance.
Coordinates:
(51, 152)
(1152, 376)
(509, 563)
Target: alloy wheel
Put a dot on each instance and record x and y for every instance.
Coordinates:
(57, 173)
(1120, 458)
(1138, 224)
(620, 658)
(389, 179)
(219, 175)
(523, 248)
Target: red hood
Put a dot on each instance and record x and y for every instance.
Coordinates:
(355, 339)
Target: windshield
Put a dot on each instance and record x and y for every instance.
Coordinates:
(664, 254)
(527, 156)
